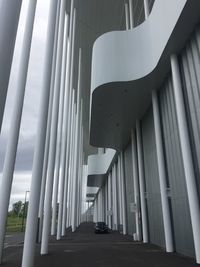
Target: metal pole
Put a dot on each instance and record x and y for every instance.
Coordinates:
(24, 211)
(60, 125)
(162, 175)
(9, 18)
(11, 150)
(135, 185)
(142, 183)
(191, 185)
(31, 227)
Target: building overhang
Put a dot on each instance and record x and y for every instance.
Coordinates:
(99, 166)
(128, 65)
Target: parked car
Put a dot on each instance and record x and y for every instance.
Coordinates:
(101, 227)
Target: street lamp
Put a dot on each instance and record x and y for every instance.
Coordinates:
(24, 210)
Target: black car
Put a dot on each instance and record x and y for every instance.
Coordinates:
(101, 227)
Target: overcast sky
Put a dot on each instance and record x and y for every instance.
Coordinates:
(24, 159)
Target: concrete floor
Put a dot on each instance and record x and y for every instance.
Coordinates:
(86, 249)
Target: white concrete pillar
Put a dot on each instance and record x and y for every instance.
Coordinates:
(9, 163)
(115, 210)
(119, 189)
(71, 162)
(106, 202)
(31, 225)
(77, 145)
(146, 8)
(127, 17)
(70, 115)
(97, 207)
(131, 14)
(46, 153)
(62, 103)
(142, 183)
(109, 202)
(80, 164)
(162, 175)
(64, 184)
(64, 167)
(123, 190)
(136, 186)
(73, 174)
(191, 185)
(9, 18)
(100, 204)
(53, 136)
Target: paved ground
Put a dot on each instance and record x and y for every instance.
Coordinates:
(86, 249)
(13, 239)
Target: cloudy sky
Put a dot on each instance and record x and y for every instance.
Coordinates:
(23, 166)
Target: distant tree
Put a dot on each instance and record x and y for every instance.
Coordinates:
(17, 208)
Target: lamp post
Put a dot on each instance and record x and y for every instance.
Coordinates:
(24, 210)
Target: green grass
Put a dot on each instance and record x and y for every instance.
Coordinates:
(14, 224)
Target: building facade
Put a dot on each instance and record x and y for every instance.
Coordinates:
(119, 113)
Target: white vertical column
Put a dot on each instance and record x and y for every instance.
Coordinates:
(31, 225)
(114, 181)
(100, 204)
(142, 183)
(46, 153)
(80, 163)
(106, 202)
(131, 14)
(68, 143)
(109, 199)
(123, 195)
(73, 174)
(71, 162)
(64, 167)
(77, 145)
(119, 190)
(95, 212)
(11, 150)
(162, 175)
(62, 103)
(191, 185)
(9, 18)
(53, 137)
(66, 182)
(113, 198)
(135, 185)
(97, 208)
(146, 8)
(127, 17)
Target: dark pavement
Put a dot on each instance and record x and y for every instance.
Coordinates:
(86, 249)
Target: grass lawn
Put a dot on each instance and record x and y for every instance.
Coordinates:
(14, 224)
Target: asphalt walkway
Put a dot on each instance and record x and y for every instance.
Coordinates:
(84, 248)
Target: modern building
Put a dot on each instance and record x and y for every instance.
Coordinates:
(120, 112)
